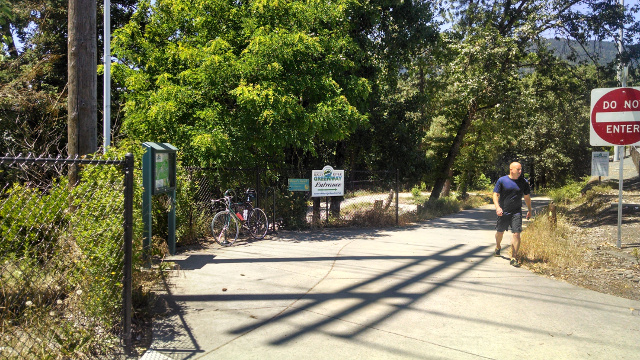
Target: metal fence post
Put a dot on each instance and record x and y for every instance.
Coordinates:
(128, 249)
(397, 197)
(257, 186)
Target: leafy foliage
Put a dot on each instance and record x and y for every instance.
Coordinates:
(33, 73)
(62, 261)
(505, 97)
(229, 82)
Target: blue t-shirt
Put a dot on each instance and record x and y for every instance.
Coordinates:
(511, 192)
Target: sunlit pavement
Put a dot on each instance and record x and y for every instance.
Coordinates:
(429, 291)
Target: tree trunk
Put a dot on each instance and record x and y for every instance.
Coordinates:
(315, 218)
(83, 78)
(335, 206)
(454, 150)
(446, 188)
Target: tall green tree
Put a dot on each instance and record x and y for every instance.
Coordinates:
(234, 82)
(392, 34)
(498, 44)
(33, 73)
(554, 139)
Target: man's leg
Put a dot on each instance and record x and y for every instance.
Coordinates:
(516, 229)
(499, 235)
(515, 245)
(502, 224)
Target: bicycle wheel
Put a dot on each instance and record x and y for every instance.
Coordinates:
(258, 223)
(225, 228)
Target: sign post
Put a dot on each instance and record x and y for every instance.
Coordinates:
(615, 120)
(615, 116)
(600, 163)
(327, 182)
(158, 177)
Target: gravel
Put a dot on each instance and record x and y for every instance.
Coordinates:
(605, 267)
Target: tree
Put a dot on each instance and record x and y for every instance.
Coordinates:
(231, 83)
(481, 80)
(555, 136)
(392, 33)
(33, 78)
(503, 39)
(33, 85)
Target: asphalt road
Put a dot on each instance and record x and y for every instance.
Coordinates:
(429, 291)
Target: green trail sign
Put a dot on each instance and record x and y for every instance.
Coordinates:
(299, 185)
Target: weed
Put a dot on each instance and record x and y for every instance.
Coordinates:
(544, 242)
(636, 254)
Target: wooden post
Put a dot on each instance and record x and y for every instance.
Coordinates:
(82, 78)
(552, 211)
(315, 218)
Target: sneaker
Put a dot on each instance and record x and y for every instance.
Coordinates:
(515, 263)
(496, 252)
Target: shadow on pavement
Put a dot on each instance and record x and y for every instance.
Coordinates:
(428, 274)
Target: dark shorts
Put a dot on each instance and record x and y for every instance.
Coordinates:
(510, 220)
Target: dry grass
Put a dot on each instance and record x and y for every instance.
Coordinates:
(544, 242)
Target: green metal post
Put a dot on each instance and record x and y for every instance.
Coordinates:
(147, 216)
(171, 241)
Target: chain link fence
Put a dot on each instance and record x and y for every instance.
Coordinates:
(65, 258)
(371, 198)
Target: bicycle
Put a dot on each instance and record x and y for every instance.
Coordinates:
(226, 224)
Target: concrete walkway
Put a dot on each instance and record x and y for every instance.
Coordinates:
(629, 170)
(430, 291)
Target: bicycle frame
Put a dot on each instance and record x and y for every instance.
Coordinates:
(222, 221)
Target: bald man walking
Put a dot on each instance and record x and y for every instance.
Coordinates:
(507, 198)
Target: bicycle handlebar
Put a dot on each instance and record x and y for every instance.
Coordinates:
(230, 193)
(225, 200)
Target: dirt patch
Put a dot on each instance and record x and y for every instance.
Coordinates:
(604, 267)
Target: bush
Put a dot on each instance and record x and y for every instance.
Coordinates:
(442, 206)
(292, 208)
(24, 226)
(568, 193)
(61, 264)
(416, 192)
(480, 182)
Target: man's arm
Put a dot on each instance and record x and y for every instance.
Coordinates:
(527, 200)
(496, 202)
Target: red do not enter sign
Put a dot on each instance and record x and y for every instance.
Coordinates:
(615, 116)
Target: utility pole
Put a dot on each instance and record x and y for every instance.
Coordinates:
(82, 78)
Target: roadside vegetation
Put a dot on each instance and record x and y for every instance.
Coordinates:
(549, 239)
(579, 246)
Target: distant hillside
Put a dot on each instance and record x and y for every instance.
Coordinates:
(607, 50)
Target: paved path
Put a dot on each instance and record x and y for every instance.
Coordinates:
(430, 291)
(629, 170)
